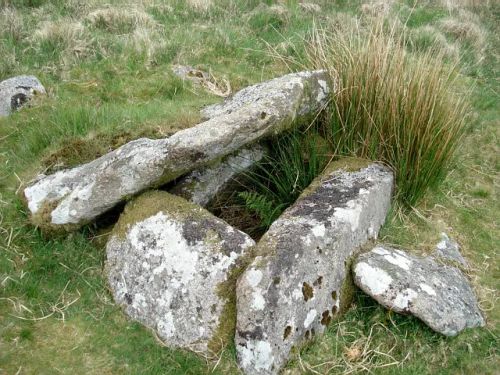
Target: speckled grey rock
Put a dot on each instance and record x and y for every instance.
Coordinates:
(167, 260)
(439, 295)
(71, 198)
(202, 185)
(17, 91)
(296, 284)
(449, 249)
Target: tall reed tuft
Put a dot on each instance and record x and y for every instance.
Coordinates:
(391, 106)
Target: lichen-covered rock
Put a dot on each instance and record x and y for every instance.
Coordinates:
(439, 295)
(202, 185)
(16, 91)
(296, 284)
(449, 249)
(71, 198)
(266, 94)
(167, 263)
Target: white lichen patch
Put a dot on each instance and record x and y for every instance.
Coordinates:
(427, 289)
(169, 243)
(311, 315)
(253, 276)
(380, 251)
(350, 214)
(323, 92)
(257, 355)
(399, 260)
(318, 230)
(375, 279)
(404, 298)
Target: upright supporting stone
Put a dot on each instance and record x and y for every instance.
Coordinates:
(169, 264)
(202, 185)
(71, 198)
(294, 287)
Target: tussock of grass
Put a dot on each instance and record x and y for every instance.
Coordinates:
(391, 106)
(64, 35)
(12, 24)
(465, 28)
(425, 38)
(200, 5)
(120, 20)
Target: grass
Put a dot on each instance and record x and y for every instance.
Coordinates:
(56, 314)
(276, 182)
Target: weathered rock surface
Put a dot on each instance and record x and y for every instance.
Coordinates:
(449, 249)
(71, 198)
(168, 261)
(17, 91)
(296, 284)
(439, 295)
(266, 94)
(202, 185)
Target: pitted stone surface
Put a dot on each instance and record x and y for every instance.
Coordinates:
(202, 185)
(449, 249)
(17, 91)
(166, 260)
(294, 287)
(439, 295)
(71, 198)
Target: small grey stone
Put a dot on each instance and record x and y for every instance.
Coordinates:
(294, 287)
(166, 261)
(202, 185)
(439, 295)
(17, 91)
(449, 249)
(71, 198)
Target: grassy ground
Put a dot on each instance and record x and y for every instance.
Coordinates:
(108, 72)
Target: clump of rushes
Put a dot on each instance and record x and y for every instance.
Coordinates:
(391, 106)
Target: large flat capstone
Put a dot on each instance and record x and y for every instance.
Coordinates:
(71, 198)
(202, 185)
(169, 264)
(439, 295)
(295, 286)
(17, 91)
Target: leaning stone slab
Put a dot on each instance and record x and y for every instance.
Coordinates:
(202, 185)
(169, 263)
(297, 283)
(271, 93)
(16, 91)
(71, 198)
(439, 295)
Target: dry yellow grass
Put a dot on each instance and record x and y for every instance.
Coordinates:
(465, 27)
(121, 20)
(65, 35)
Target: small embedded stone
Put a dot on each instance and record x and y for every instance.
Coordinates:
(17, 91)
